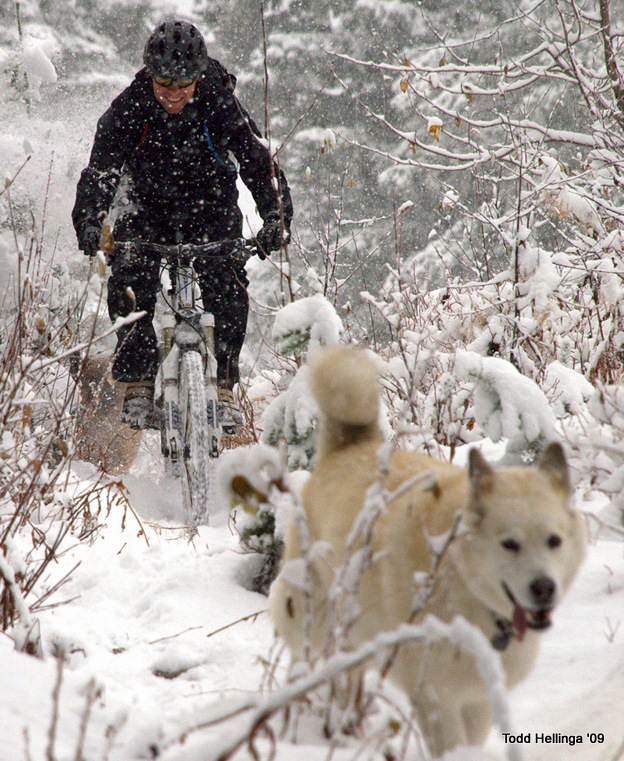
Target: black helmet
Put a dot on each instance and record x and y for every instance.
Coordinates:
(175, 49)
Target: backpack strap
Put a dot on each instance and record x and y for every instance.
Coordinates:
(215, 153)
(143, 135)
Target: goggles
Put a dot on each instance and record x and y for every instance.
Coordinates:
(181, 83)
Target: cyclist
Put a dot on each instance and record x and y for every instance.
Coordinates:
(161, 166)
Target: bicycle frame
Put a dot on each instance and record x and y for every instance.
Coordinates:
(190, 425)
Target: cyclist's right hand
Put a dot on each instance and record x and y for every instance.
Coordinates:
(89, 238)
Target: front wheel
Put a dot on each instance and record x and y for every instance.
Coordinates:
(195, 439)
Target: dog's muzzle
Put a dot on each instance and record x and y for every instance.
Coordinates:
(543, 591)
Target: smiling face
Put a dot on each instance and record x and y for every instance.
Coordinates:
(173, 98)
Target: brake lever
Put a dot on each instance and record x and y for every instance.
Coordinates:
(243, 251)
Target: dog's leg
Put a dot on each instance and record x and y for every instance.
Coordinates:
(347, 703)
(477, 720)
(441, 723)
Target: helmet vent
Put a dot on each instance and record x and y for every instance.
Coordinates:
(175, 49)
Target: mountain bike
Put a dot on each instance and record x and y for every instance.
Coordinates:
(187, 407)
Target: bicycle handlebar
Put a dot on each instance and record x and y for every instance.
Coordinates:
(185, 252)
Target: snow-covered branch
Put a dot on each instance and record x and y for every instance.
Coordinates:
(248, 715)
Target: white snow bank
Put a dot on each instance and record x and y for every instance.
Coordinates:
(306, 323)
(507, 404)
(37, 64)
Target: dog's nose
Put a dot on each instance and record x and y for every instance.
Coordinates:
(543, 590)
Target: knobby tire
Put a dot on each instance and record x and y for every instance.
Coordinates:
(196, 465)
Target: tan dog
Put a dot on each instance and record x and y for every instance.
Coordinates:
(99, 436)
(511, 560)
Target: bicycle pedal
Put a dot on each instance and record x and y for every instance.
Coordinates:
(139, 414)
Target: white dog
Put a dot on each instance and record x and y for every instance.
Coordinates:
(516, 551)
(100, 437)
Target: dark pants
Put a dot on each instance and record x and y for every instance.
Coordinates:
(134, 287)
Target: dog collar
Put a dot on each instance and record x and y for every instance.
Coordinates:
(506, 632)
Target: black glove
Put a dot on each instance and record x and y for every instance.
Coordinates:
(89, 238)
(269, 238)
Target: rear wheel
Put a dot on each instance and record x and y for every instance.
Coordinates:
(195, 465)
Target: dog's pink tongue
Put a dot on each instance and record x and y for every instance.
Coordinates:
(520, 621)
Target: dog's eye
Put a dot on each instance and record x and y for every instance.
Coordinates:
(511, 545)
(553, 541)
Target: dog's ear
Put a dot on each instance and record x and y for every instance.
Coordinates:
(480, 471)
(481, 478)
(554, 463)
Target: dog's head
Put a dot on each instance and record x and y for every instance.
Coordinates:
(523, 543)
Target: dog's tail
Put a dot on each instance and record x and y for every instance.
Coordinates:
(345, 383)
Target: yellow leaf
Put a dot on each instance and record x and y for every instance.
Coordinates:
(442, 62)
(62, 447)
(435, 130)
(107, 244)
(248, 496)
(27, 413)
(404, 84)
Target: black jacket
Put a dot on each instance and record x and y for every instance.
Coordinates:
(171, 177)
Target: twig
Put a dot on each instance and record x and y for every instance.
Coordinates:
(9, 182)
(427, 588)
(93, 693)
(173, 636)
(26, 734)
(603, 524)
(56, 695)
(611, 57)
(238, 621)
(20, 35)
(127, 506)
(260, 711)
(37, 605)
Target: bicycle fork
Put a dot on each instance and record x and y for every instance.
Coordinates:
(180, 337)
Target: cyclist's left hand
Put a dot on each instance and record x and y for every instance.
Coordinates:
(270, 237)
(89, 238)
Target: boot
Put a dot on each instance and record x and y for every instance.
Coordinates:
(137, 410)
(229, 413)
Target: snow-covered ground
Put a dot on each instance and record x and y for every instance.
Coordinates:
(161, 632)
